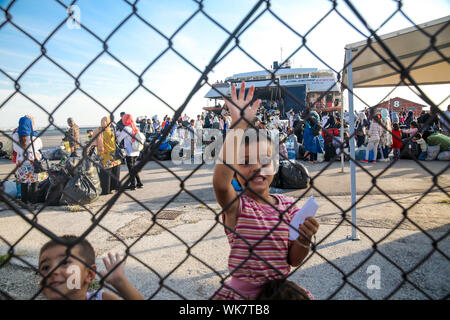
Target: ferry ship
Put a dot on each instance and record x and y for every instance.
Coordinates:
(292, 88)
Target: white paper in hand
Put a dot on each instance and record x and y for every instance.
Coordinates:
(309, 209)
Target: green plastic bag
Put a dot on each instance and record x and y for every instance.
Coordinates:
(439, 140)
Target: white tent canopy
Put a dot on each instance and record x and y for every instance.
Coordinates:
(370, 66)
(369, 70)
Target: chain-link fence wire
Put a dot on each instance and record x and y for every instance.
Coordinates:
(259, 9)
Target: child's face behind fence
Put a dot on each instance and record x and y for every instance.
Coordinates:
(70, 279)
(255, 166)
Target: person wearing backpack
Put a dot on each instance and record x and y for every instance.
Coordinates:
(26, 144)
(128, 135)
(312, 138)
(361, 126)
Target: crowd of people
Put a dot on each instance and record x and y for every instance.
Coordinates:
(385, 131)
(110, 144)
(378, 131)
(310, 135)
(204, 120)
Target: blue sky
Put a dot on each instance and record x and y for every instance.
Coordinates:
(170, 77)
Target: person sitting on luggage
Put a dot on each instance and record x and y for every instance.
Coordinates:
(423, 146)
(283, 151)
(292, 137)
(411, 132)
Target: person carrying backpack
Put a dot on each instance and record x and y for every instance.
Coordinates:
(128, 135)
(361, 129)
(312, 138)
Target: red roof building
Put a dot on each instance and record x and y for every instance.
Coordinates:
(399, 104)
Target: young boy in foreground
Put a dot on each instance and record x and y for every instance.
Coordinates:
(67, 274)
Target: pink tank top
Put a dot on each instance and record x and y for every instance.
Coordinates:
(269, 251)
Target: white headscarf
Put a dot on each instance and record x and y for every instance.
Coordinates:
(362, 116)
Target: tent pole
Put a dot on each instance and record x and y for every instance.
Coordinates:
(342, 137)
(348, 58)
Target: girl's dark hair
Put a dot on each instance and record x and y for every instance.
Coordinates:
(281, 289)
(413, 123)
(395, 126)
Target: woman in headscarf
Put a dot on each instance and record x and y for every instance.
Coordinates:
(361, 126)
(409, 119)
(330, 122)
(386, 135)
(105, 142)
(312, 139)
(25, 139)
(374, 135)
(128, 135)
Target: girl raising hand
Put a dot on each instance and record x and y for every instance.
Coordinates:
(256, 222)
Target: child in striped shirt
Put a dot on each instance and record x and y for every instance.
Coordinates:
(256, 222)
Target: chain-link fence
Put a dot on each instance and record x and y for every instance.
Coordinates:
(436, 245)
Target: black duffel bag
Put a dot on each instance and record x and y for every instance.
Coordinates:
(59, 154)
(173, 143)
(163, 155)
(42, 191)
(58, 180)
(79, 190)
(330, 152)
(300, 154)
(84, 186)
(291, 175)
(412, 150)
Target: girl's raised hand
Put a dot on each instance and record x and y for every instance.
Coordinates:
(242, 103)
